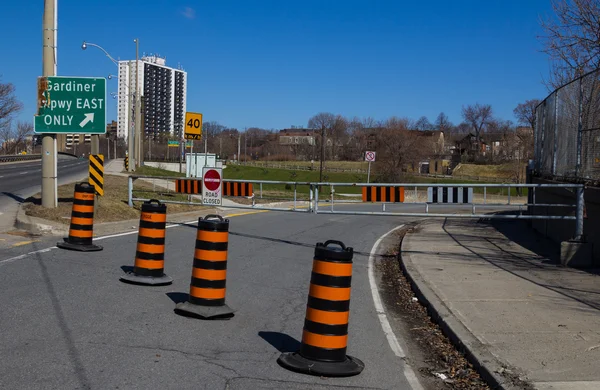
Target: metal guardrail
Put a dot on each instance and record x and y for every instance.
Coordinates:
(20, 157)
(525, 206)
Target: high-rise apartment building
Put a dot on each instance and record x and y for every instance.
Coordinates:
(163, 92)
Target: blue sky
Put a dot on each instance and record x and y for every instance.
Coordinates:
(273, 64)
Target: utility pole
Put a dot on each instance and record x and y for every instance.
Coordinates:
(322, 153)
(49, 167)
(138, 111)
(131, 132)
(239, 147)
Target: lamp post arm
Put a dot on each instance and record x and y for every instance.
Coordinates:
(104, 51)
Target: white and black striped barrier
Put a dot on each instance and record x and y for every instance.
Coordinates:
(449, 195)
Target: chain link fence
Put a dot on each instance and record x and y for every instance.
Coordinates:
(567, 131)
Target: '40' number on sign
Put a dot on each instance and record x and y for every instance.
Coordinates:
(194, 123)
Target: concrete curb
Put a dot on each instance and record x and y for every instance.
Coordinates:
(39, 226)
(488, 366)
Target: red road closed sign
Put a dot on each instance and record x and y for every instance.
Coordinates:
(212, 193)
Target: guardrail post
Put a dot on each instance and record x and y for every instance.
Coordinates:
(579, 216)
(261, 190)
(332, 191)
(130, 191)
(316, 199)
(295, 195)
(310, 198)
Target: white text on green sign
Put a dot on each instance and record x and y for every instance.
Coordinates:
(71, 105)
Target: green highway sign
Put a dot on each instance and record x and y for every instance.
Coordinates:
(73, 105)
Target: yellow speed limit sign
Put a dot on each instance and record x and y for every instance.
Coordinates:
(193, 125)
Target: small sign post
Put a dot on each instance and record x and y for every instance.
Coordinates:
(370, 157)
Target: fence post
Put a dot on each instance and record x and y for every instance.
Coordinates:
(130, 191)
(555, 134)
(579, 129)
(579, 217)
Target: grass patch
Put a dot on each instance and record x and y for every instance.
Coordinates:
(108, 208)
(327, 165)
(501, 171)
(152, 171)
(241, 172)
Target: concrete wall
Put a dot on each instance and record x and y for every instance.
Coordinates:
(564, 230)
(169, 166)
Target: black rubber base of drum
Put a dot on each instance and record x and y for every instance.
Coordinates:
(78, 247)
(132, 278)
(187, 309)
(295, 362)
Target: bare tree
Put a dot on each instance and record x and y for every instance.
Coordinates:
(14, 138)
(9, 105)
(338, 136)
(398, 148)
(525, 112)
(323, 122)
(423, 124)
(477, 116)
(572, 40)
(442, 123)
(519, 145)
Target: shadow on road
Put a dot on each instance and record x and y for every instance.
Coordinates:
(281, 341)
(178, 297)
(13, 196)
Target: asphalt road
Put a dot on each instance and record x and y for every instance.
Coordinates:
(68, 322)
(20, 180)
(24, 178)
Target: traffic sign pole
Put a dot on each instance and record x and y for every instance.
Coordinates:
(370, 157)
(49, 168)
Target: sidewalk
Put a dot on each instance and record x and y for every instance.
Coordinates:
(497, 288)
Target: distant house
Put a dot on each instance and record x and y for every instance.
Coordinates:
(290, 137)
(468, 146)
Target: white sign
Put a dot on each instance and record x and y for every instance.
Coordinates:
(212, 185)
(370, 156)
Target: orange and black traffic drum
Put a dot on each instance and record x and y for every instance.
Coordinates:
(325, 334)
(81, 229)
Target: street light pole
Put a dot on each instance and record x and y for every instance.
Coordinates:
(138, 114)
(49, 167)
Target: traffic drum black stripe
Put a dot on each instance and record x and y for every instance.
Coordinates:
(151, 240)
(213, 265)
(331, 281)
(326, 305)
(211, 246)
(149, 256)
(152, 225)
(148, 272)
(82, 202)
(205, 283)
(79, 214)
(207, 302)
(324, 329)
(82, 227)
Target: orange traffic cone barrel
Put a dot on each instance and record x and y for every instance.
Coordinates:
(207, 288)
(325, 335)
(150, 252)
(82, 221)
